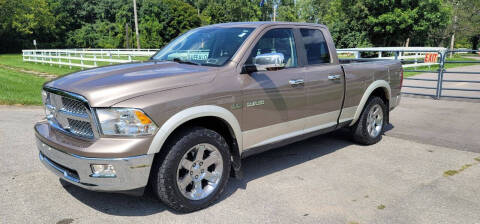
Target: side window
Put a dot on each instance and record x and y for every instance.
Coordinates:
(315, 46)
(276, 41)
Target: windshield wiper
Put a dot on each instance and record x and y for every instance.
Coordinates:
(156, 60)
(178, 60)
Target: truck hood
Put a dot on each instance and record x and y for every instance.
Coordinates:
(106, 86)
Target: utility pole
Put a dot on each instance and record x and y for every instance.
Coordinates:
(274, 11)
(136, 23)
(452, 42)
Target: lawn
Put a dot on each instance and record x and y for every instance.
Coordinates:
(87, 62)
(15, 61)
(20, 88)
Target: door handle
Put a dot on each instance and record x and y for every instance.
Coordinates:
(334, 77)
(296, 82)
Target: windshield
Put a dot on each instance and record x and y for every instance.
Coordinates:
(205, 46)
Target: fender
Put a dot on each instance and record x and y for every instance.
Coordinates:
(373, 86)
(189, 114)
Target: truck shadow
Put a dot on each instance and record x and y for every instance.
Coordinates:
(114, 203)
(276, 160)
(254, 167)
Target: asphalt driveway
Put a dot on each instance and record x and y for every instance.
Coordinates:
(325, 179)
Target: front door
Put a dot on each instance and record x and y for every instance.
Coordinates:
(271, 102)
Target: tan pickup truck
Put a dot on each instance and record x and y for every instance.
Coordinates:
(181, 122)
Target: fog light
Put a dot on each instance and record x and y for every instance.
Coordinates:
(103, 170)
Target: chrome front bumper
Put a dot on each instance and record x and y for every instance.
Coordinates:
(131, 172)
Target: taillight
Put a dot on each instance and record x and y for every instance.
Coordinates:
(401, 78)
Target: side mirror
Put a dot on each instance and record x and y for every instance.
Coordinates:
(270, 61)
(265, 62)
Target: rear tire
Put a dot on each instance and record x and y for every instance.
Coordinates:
(194, 171)
(372, 121)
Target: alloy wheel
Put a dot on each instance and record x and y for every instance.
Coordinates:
(199, 171)
(375, 121)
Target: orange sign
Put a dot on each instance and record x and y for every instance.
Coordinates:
(430, 58)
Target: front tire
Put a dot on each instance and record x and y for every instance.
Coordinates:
(370, 126)
(195, 170)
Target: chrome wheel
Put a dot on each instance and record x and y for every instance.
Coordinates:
(375, 121)
(199, 171)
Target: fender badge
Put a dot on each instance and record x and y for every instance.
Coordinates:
(255, 103)
(236, 106)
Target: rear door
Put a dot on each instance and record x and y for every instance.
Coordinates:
(324, 80)
(271, 103)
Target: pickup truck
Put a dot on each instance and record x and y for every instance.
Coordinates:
(181, 122)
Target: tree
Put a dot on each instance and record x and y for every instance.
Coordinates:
(100, 34)
(345, 19)
(243, 10)
(163, 20)
(465, 23)
(287, 11)
(387, 22)
(313, 11)
(214, 13)
(78, 21)
(353, 23)
(22, 21)
(200, 5)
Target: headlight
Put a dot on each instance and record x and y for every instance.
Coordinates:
(125, 122)
(44, 97)
(49, 109)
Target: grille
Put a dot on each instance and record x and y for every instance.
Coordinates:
(69, 115)
(81, 128)
(73, 106)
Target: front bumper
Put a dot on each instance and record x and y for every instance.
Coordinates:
(131, 172)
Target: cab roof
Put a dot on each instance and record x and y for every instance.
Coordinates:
(262, 24)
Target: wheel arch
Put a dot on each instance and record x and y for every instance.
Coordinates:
(379, 88)
(208, 116)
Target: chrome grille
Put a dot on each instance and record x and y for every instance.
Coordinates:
(80, 128)
(69, 114)
(73, 106)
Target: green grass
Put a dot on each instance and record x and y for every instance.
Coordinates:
(15, 61)
(470, 54)
(381, 207)
(20, 88)
(453, 172)
(346, 56)
(17, 87)
(450, 173)
(99, 63)
(435, 67)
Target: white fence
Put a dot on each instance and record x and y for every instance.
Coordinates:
(89, 58)
(85, 58)
(413, 55)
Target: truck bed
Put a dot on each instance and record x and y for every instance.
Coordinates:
(360, 74)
